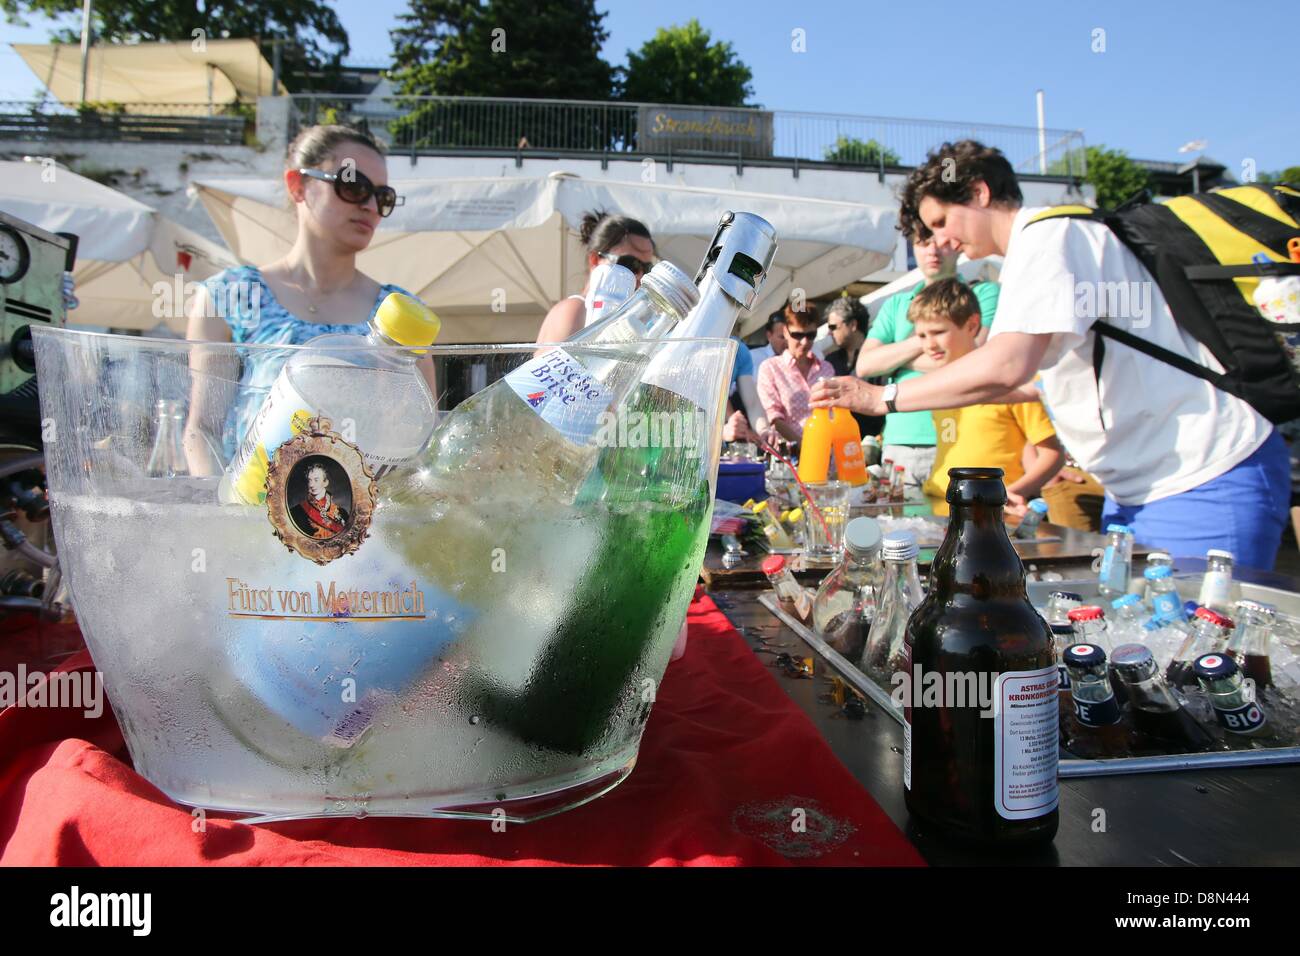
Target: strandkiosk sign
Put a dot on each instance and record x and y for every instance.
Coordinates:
(704, 129)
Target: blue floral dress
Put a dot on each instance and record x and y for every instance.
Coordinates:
(254, 315)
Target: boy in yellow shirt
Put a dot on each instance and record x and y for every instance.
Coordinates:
(946, 315)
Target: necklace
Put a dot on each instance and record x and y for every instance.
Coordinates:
(311, 306)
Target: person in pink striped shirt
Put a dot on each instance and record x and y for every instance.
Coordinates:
(785, 381)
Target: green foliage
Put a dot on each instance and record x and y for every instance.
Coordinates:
(1114, 176)
(530, 49)
(849, 149)
(1289, 175)
(684, 65)
(311, 26)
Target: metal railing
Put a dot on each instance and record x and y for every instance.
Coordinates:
(441, 124)
(202, 123)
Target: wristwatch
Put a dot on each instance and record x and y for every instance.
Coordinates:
(890, 393)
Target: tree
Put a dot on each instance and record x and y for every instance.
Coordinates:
(683, 65)
(526, 49)
(1114, 176)
(1289, 175)
(848, 149)
(311, 27)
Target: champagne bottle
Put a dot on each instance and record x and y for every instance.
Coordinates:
(587, 686)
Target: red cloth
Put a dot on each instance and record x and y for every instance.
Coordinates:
(725, 759)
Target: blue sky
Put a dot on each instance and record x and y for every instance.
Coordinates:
(1169, 73)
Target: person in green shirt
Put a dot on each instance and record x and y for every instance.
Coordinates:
(893, 351)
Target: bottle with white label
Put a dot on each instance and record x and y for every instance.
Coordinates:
(609, 286)
(534, 433)
(980, 763)
(1216, 586)
(374, 397)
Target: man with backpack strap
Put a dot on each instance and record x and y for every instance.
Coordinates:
(1187, 464)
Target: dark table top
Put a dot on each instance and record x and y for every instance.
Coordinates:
(1212, 817)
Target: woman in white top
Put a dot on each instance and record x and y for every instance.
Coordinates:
(609, 238)
(1188, 467)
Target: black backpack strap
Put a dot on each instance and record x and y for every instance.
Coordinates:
(1181, 362)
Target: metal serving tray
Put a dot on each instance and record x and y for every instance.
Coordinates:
(1287, 604)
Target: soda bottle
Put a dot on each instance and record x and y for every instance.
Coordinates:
(167, 460)
(1090, 626)
(897, 491)
(990, 781)
(1233, 701)
(845, 606)
(1209, 636)
(1095, 727)
(1116, 562)
(815, 448)
(776, 535)
(1063, 636)
(850, 465)
(1162, 595)
(794, 599)
(1034, 515)
(1216, 586)
(1130, 620)
(1059, 606)
(900, 593)
(610, 286)
(871, 450)
(379, 389)
(1249, 645)
(1156, 712)
(1156, 559)
(879, 483)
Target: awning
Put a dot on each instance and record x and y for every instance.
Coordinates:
(491, 256)
(154, 74)
(125, 248)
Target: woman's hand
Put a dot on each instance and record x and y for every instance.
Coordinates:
(848, 391)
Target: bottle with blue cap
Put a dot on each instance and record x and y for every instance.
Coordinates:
(1233, 700)
(1095, 728)
(1129, 619)
(900, 593)
(1166, 605)
(845, 606)
(1116, 562)
(1035, 513)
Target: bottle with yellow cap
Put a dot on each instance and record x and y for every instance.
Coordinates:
(374, 397)
(776, 534)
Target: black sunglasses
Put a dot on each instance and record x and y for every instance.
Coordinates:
(832, 326)
(357, 189)
(801, 335)
(630, 263)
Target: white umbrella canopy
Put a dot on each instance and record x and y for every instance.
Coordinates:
(126, 251)
(491, 256)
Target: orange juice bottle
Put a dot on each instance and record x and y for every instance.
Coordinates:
(850, 463)
(815, 448)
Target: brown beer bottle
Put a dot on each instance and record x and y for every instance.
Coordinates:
(980, 770)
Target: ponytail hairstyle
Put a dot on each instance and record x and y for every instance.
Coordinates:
(601, 231)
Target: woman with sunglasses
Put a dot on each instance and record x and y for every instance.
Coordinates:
(618, 240)
(337, 179)
(785, 382)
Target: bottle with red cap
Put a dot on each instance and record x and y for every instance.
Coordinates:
(1209, 636)
(1090, 627)
(789, 592)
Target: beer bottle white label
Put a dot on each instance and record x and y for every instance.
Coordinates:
(563, 393)
(1025, 743)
